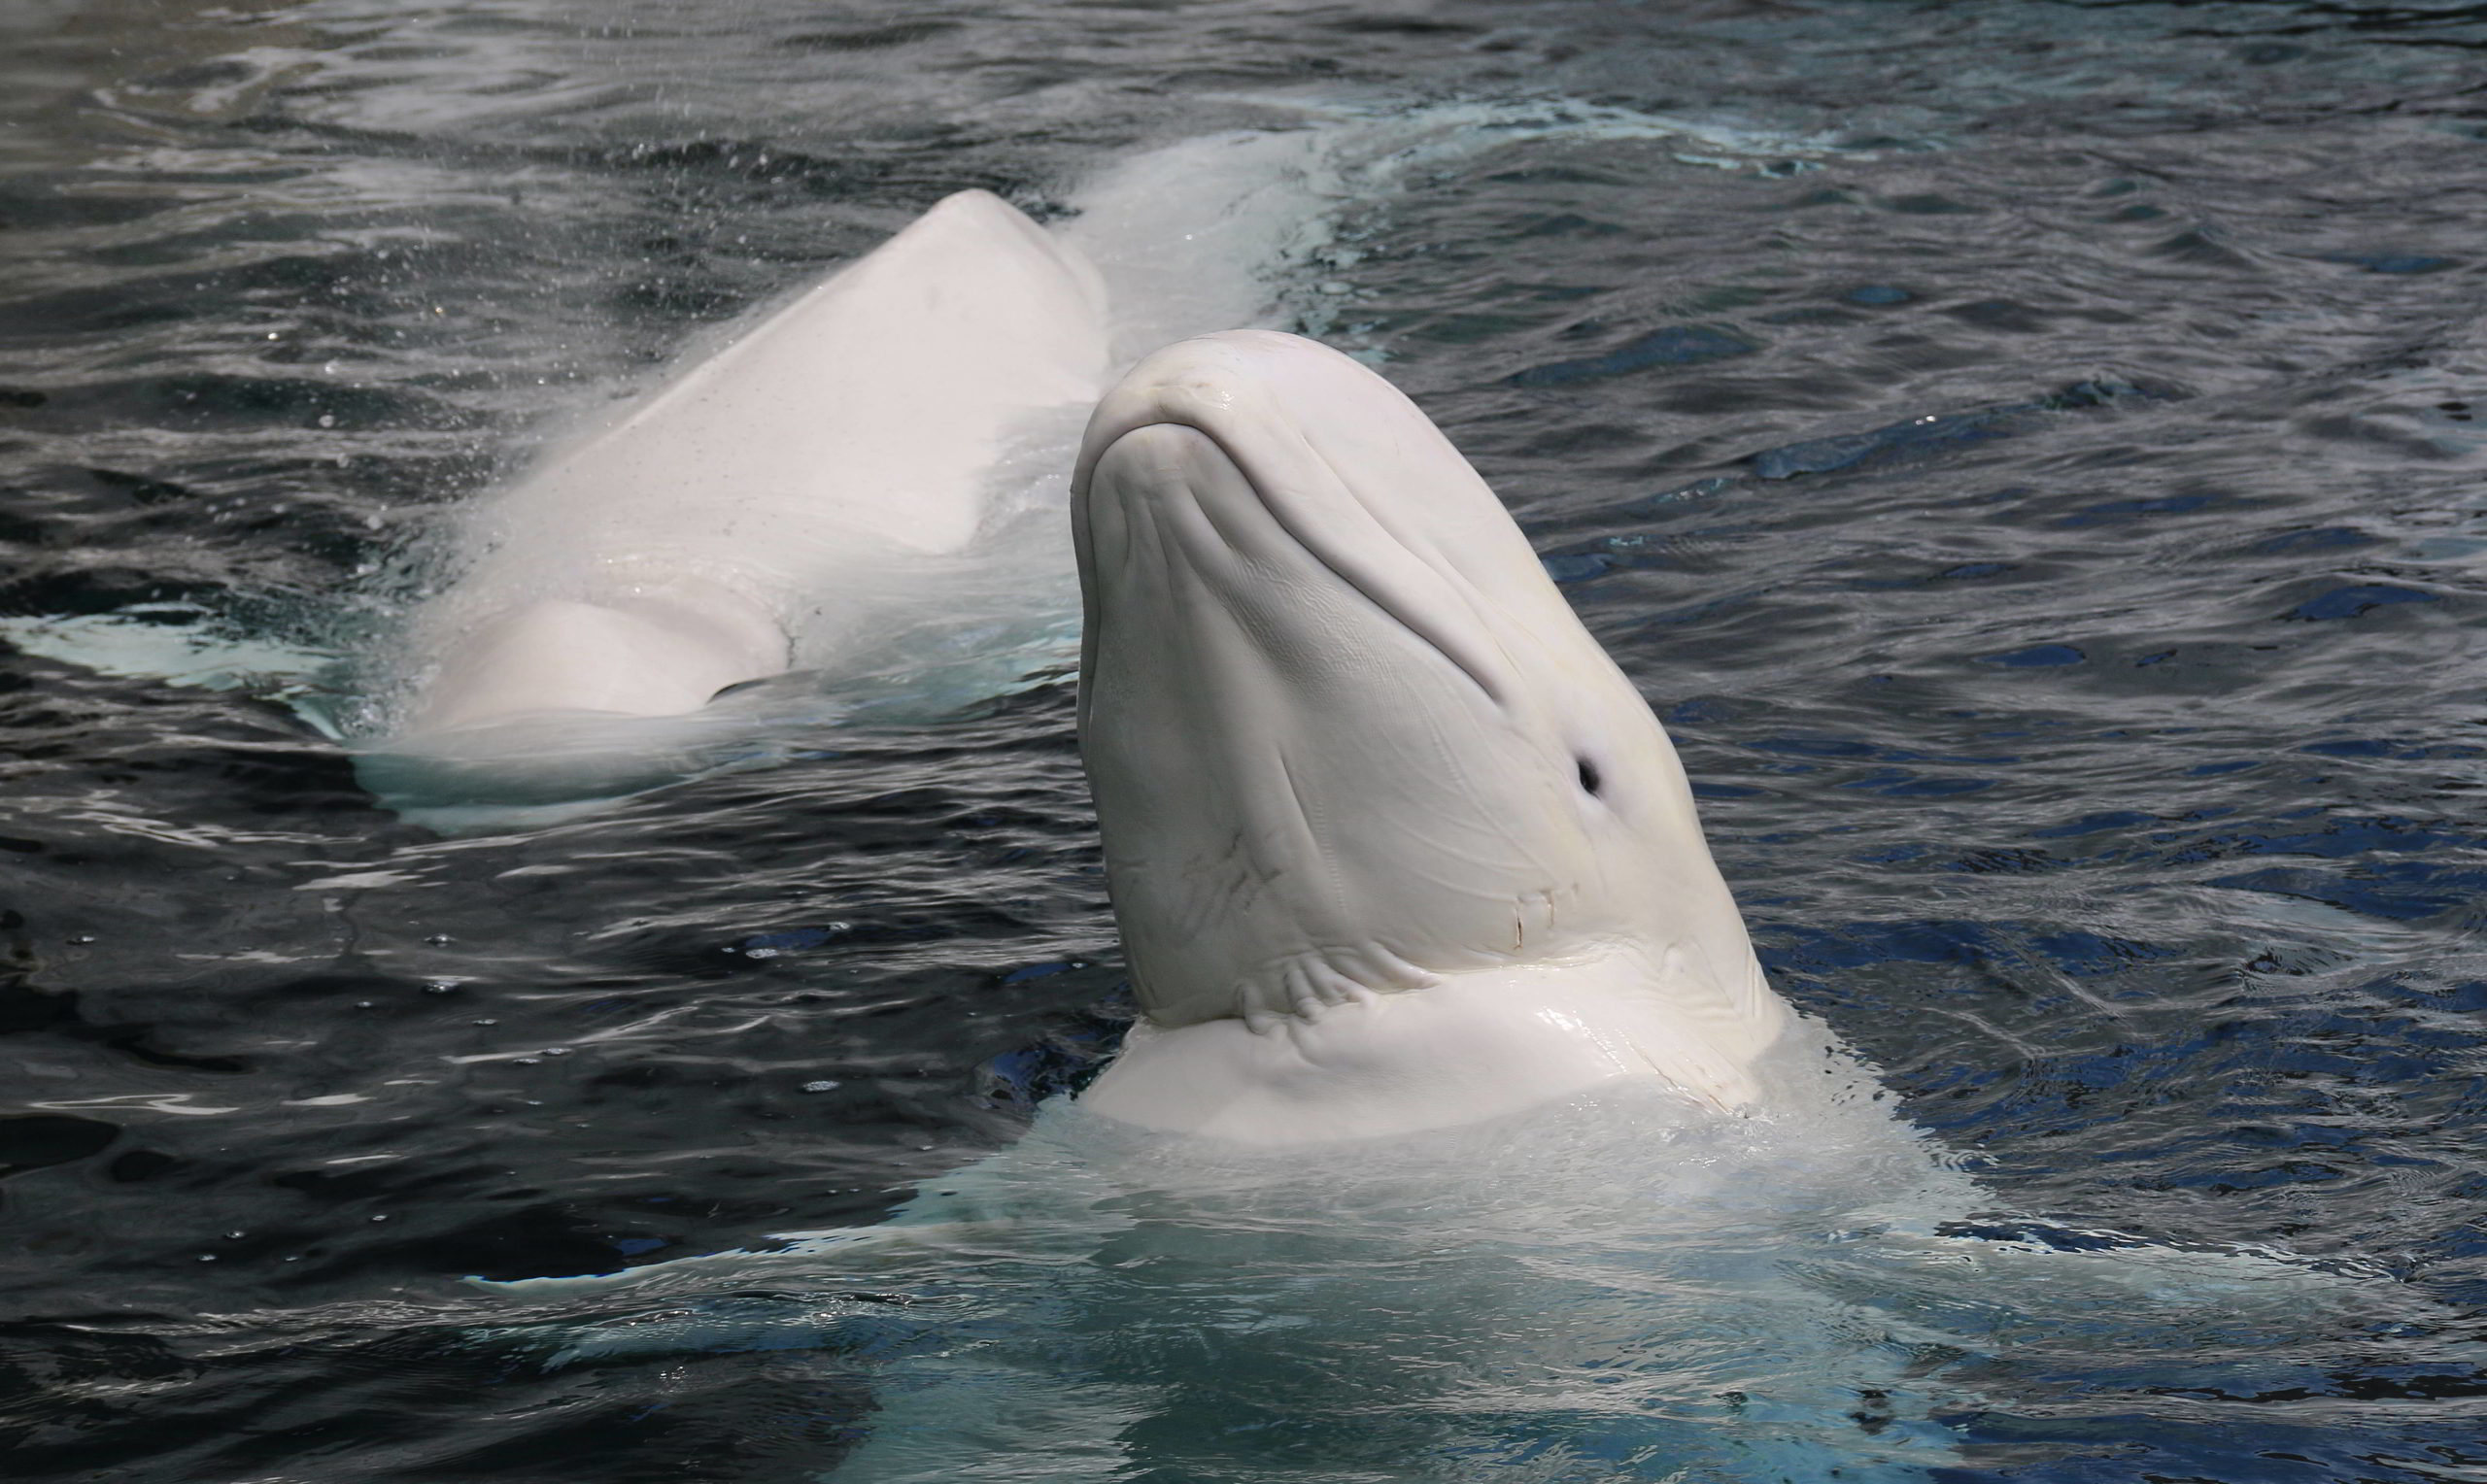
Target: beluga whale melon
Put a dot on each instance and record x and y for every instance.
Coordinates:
(759, 509)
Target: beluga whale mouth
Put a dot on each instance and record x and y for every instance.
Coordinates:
(1392, 843)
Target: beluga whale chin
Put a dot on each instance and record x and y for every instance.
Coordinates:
(1393, 845)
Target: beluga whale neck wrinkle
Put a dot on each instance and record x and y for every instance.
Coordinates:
(1392, 843)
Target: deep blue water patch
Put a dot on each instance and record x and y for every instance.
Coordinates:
(2319, 538)
(2002, 861)
(1820, 747)
(2394, 262)
(1036, 972)
(1678, 345)
(2351, 602)
(2394, 890)
(1939, 434)
(2222, 769)
(1069, 1057)
(2036, 657)
(2340, 837)
(1864, 945)
(2385, 747)
(2094, 824)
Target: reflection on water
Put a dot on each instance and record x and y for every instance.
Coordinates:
(2028, 453)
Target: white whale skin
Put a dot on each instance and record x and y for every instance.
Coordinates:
(702, 536)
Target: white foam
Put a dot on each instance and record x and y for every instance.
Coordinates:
(181, 644)
(1625, 1269)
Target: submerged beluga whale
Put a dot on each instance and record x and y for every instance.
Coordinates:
(1392, 843)
(750, 509)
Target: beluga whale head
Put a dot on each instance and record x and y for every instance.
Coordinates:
(1392, 843)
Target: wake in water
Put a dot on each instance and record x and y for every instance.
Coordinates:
(1621, 1285)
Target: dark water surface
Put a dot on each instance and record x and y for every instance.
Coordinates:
(2042, 494)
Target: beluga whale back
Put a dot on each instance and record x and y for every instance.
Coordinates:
(749, 508)
(1392, 843)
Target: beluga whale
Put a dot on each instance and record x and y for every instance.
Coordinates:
(1392, 843)
(754, 513)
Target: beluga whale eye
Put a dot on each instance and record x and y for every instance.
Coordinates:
(1591, 781)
